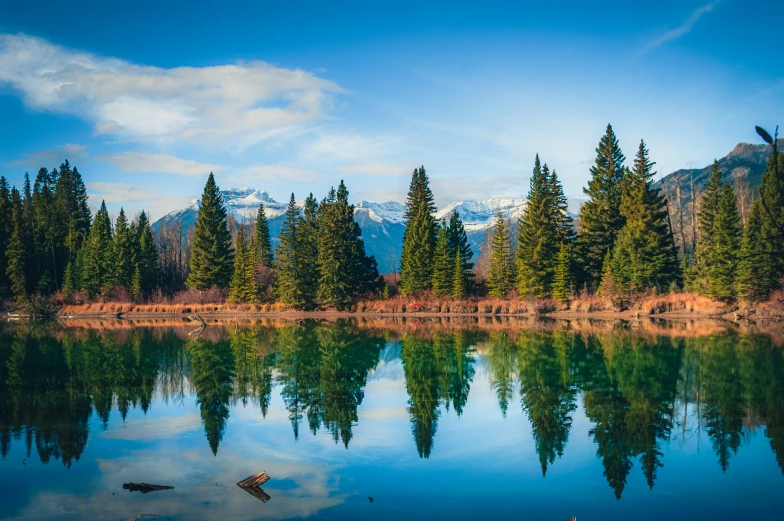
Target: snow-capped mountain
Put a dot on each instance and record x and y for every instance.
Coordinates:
(382, 223)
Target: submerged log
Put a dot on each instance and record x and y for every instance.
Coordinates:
(144, 488)
(252, 484)
(254, 480)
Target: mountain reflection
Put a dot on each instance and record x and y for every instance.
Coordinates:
(637, 392)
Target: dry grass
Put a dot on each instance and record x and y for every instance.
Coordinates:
(682, 303)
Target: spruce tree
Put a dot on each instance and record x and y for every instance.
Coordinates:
(123, 251)
(723, 260)
(600, 216)
(500, 275)
(458, 244)
(238, 289)
(211, 256)
(644, 255)
(16, 254)
(709, 205)
(308, 244)
(6, 228)
(443, 264)
(562, 279)
(145, 255)
(96, 271)
(136, 284)
(459, 277)
(263, 239)
(253, 288)
(771, 191)
(289, 287)
(536, 237)
(755, 278)
(419, 238)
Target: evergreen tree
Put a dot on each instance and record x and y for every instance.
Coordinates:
(458, 243)
(6, 227)
(600, 216)
(238, 287)
(123, 251)
(419, 238)
(308, 244)
(500, 275)
(544, 225)
(263, 238)
(562, 279)
(771, 191)
(136, 283)
(644, 255)
(443, 264)
(459, 277)
(145, 255)
(211, 257)
(755, 272)
(98, 253)
(15, 254)
(726, 244)
(709, 205)
(251, 265)
(287, 258)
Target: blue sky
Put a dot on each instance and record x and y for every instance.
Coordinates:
(147, 100)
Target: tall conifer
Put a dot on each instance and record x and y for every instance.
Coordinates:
(211, 257)
(726, 245)
(123, 251)
(289, 288)
(706, 217)
(600, 216)
(562, 278)
(755, 278)
(419, 238)
(263, 239)
(15, 254)
(308, 244)
(443, 264)
(500, 273)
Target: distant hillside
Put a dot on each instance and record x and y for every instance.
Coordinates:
(743, 167)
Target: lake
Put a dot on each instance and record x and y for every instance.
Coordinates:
(431, 419)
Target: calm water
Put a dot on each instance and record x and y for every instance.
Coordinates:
(432, 422)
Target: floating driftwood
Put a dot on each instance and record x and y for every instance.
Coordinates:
(252, 484)
(144, 488)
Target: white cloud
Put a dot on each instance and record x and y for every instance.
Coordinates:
(51, 157)
(159, 163)
(348, 146)
(378, 169)
(273, 173)
(133, 198)
(234, 105)
(679, 31)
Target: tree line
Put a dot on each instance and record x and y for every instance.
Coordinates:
(621, 244)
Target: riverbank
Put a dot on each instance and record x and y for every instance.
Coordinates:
(671, 306)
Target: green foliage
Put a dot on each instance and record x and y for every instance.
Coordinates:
(242, 286)
(725, 247)
(543, 227)
(644, 256)
(755, 278)
(459, 277)
(419, 238)
(562, 279)
(123, 252)
(500, 273)
(15, 254)
(706, 218)
(211, 257)
(771, 191)
(263, 241)
(308, 246)
(290, 287)
(600, 216)
(6, 228)
(145, 256)
(443, 265)
(98, 254)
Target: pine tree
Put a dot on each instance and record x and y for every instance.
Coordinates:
(136, 284)
(123, 251)
(443, 264)
(308, 245)
(15, 254)
(562, 279)
(755, 278)
(709, 205)
(600, 216)
(419, 238)
(97, 258)
(6, 227)
(644, 255)
(500, 276)
(211, 257)
(771, 191)
(263, 238)
(458, 243)
(459, 277)
(726, 244)
(607, 287)
(145, 255)
(238, 289)
(253, 288)
(287, 261)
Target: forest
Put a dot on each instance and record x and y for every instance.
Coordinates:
(620, 246)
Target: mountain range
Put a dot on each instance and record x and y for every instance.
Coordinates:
(382, 223)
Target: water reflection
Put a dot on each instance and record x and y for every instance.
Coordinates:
(638, 392)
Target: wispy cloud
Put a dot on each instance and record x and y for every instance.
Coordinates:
(679, 31)
(50, 157)
(159, 163)
(133, 198)
(378, 169)
(233, 105)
